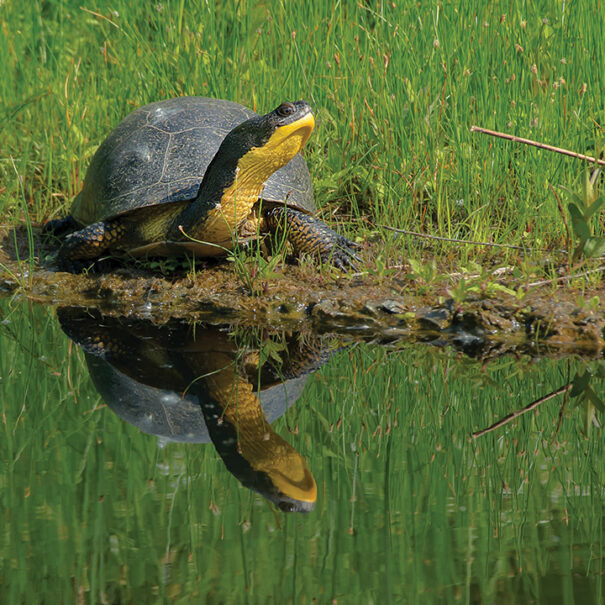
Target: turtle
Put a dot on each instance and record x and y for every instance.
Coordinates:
(200, 383)
(196, 174)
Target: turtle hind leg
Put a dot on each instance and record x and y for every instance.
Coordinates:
(60, 226)
(81, 248)
(310, 235)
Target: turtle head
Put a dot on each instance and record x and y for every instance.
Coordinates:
(247, 157)
(274, 139)
(256, 148)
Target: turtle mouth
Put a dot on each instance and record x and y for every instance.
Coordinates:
(297, 131)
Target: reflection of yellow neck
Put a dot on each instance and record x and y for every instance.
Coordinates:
(264, 449)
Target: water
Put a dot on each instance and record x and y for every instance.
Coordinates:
(409, 507)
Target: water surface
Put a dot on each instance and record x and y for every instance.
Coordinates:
(409, 506)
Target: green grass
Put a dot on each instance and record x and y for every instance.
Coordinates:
(396, 89)
(410, 508)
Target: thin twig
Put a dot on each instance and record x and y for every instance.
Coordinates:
(531, 285)
(566, 277)
(468, 241)
(495, 273)
(515, 139)
(527, 408)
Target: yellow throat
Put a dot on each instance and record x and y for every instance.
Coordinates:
(253, 169)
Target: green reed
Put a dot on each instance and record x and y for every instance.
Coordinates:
(396, 88)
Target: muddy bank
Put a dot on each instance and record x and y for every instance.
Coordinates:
(368, 306)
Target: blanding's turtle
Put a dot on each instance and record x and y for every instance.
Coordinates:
(198, 174)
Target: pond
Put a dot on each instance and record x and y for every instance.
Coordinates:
(150, 464)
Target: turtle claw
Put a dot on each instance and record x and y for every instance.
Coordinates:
(343, 259)
(350, 244)
(341, 255)
(309, 235)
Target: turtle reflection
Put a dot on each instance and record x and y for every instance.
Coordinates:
(200, 383)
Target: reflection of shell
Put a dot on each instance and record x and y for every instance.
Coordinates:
(196, 384)
(168, 414)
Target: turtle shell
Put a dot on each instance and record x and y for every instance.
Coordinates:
(159, 153)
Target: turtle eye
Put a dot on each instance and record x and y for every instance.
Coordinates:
(285, 110)
(287, 507)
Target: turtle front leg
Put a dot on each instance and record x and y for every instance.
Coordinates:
(310, 235)
(89, 243)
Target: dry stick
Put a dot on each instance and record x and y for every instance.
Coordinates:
(527, 408)
(468, 241)
(514, 139)
(100, 16)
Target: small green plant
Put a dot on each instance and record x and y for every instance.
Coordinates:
(382, 268)
(463, 288)
(166, 265)
(480, 281)
(424, 273)
(249, 261)
(252, 266)
(584, 207)
(592, 304)
(254, 270)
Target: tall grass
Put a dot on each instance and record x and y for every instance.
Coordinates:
(410, 508)
(396, 87)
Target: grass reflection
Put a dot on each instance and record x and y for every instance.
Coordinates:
(410, 507)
